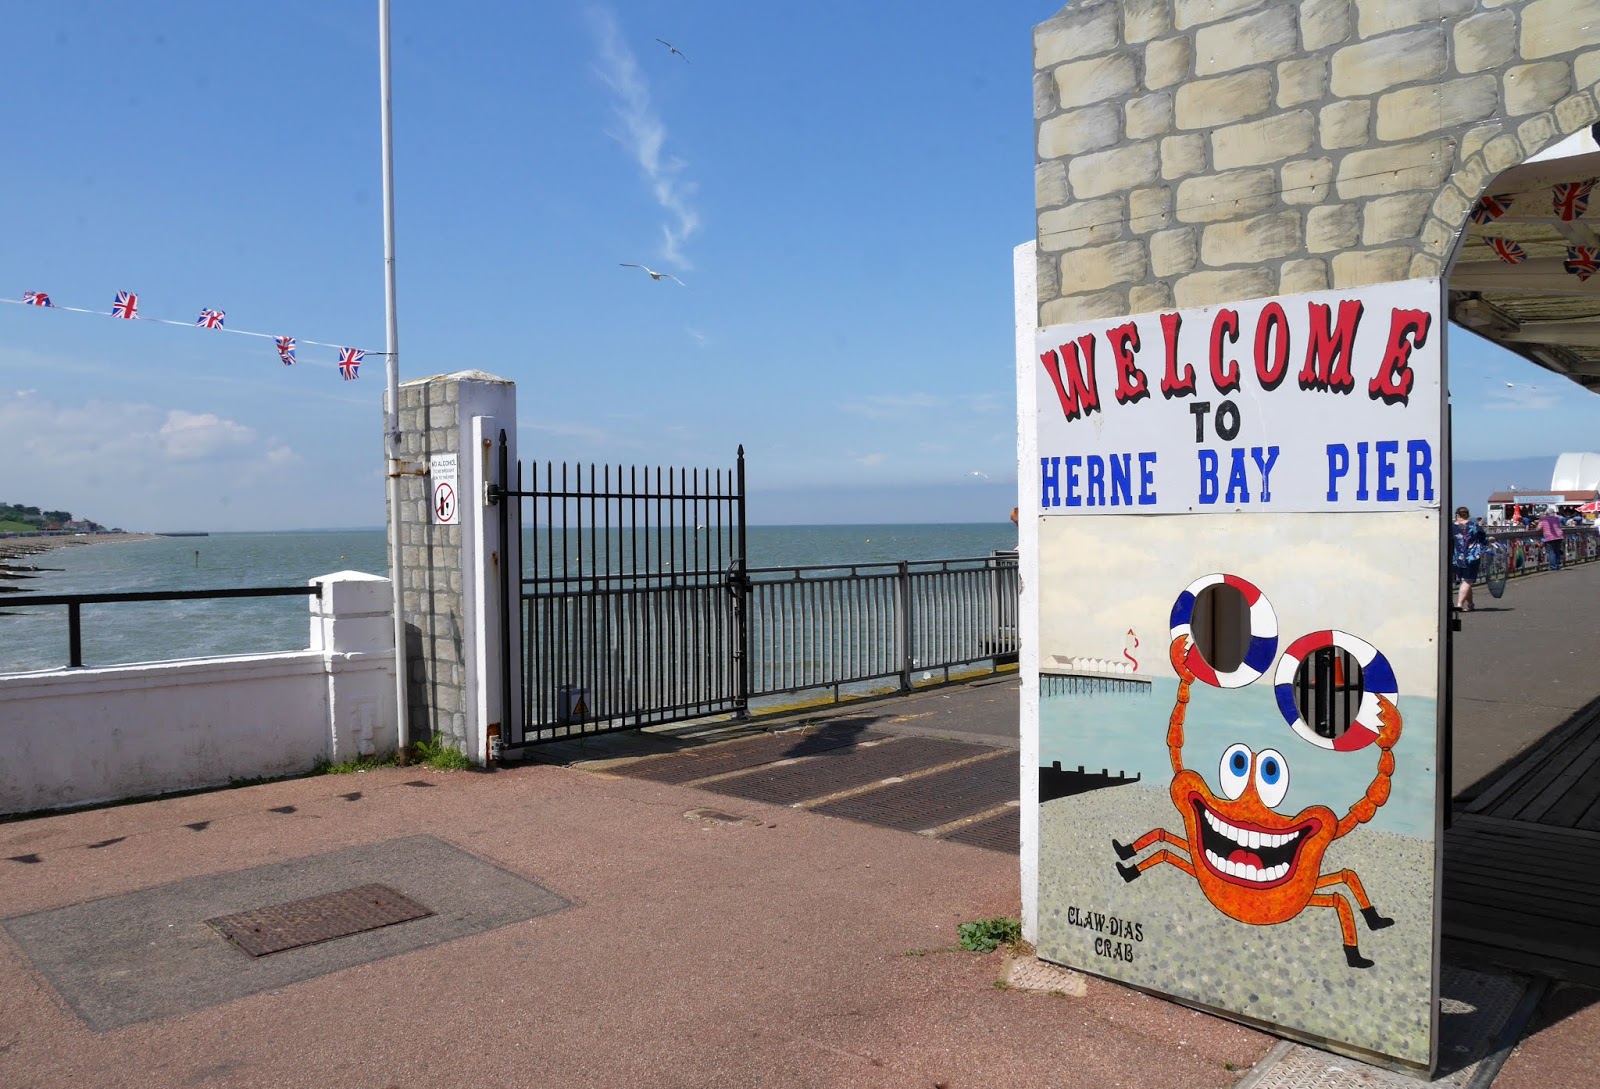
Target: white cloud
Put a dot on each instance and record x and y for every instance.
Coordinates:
(870, 459)
(103, 433)
(1520, 399)
(281, 455)
(883, 406)
(645, 137)
(187, 436)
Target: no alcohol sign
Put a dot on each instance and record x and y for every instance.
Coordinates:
(442, 480)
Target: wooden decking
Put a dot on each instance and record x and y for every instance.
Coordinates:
(1557, 783)
(1522, 861)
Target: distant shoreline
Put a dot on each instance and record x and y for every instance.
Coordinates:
(13, 547)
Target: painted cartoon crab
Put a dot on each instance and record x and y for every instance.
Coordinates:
(1254, 864)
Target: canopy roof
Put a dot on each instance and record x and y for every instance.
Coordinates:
(1527, 278)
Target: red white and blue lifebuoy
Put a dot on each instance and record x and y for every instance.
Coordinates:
(1263, 632)
(1377, 679)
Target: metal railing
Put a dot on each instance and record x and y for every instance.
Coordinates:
(831, 626)
(75, 603)
(1522, 552)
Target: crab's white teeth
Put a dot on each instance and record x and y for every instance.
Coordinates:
(1247, 837)
(1246, 872)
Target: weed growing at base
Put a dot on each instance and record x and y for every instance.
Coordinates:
(359, 763)
(987, 935)
(440, 755)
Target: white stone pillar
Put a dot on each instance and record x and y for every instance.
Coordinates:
(351, 626)
(451, 573)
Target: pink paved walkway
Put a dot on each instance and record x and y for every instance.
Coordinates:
(795, 950)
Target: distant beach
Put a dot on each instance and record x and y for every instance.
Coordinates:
(12, 547)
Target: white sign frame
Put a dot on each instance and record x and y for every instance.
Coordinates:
(444, 490)
(1299, 403)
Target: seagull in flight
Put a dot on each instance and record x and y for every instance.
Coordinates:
(654, 275)
(674, 49)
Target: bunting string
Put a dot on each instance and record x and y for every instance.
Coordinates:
(125, 307)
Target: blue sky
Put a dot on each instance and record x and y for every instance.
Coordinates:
(840, 186)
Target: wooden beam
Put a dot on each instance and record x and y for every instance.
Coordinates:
(1577, 334)
(1535, 276)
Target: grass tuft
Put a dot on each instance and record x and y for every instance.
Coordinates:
(440, 755)
(987, 935)
(355, 764)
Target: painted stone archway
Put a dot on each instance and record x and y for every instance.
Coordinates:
(1246, 214)
(1192, 152)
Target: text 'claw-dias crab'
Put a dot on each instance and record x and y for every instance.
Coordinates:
(1253, 863)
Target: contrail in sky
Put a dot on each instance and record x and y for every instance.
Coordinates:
(645, 135)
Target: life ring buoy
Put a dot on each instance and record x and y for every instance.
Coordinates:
(1377, 679)
(1263, 632)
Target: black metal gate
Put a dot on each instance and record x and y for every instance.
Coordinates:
(630, 598)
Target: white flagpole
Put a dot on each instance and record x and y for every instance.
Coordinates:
(392, 437)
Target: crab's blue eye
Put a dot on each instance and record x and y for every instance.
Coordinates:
(1235, 770)
(1272, 777)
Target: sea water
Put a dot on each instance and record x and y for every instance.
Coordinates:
(35, 638)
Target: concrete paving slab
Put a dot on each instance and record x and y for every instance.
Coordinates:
(122, 960)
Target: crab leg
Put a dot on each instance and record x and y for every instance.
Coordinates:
(1130, 872)
(1156, 835)
(1349, 878)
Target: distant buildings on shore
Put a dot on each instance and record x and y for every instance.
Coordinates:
(1574, 484)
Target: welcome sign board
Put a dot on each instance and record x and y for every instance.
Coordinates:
(1240, 608)
(1319, 402)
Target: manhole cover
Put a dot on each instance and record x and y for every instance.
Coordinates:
(273, 929)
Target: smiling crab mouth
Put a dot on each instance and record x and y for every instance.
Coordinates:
(1249, 856)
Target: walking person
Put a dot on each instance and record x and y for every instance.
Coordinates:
(1468, 542)
(1554, 537)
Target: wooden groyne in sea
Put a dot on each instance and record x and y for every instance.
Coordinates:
(14, 552)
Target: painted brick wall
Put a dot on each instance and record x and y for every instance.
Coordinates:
(1201, 151)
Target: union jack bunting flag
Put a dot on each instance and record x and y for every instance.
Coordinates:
(285, 349)
(210, 319)
(1488, 209)
(1582, 261)
(36, 298)
(126, 306)
(1508, 251)
(1570, 199)
(350, 362)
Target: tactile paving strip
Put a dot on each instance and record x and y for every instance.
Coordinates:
(1002, 833)
(934, 799)
(749, 753)
(273, 929)
(1480, 1017)
(844, 768)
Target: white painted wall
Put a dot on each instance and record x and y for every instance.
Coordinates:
(1024, 273)
(76, 736)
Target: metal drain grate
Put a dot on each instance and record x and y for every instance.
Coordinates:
(842, 769)
(934, 799)
(1002, 833)
(749, 753)
(273, 929)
